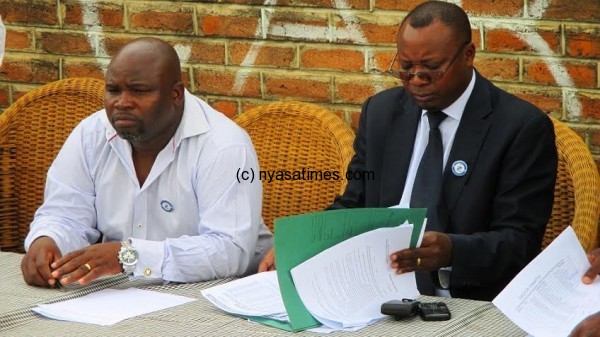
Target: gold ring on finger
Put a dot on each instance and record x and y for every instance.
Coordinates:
(418, 261)
(89, 268)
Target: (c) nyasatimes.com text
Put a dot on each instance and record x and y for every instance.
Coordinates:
(304, 174)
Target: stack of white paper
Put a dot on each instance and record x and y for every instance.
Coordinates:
(344, 286)
(109, 306)
(256, 295)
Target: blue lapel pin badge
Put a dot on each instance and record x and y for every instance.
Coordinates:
(167, 206)
(459, 168)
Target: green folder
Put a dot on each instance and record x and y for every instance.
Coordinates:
(300, 237)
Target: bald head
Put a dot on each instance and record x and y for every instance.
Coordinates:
(154, 54)
(145, 97)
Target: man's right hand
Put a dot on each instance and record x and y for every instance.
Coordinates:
(35, 265)
(268, 262)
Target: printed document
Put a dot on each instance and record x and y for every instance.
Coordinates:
(345, 285)
(547, 298)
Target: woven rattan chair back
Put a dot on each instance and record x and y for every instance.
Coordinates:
(292, 137)
(32, 131)
(577, 190)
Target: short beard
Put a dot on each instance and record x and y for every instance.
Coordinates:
(131, 136)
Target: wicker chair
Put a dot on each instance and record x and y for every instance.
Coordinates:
(296, 136)
(577, 190)
(32, 131)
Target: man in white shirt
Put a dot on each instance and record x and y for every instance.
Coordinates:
(148, 185)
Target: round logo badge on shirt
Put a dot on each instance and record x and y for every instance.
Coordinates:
(167, 206)
(459, 168)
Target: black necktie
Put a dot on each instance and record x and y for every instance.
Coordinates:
(427, 186)
(429, 174)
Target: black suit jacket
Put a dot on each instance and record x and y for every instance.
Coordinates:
(495, 214)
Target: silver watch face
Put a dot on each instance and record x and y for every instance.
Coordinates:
(129, 256)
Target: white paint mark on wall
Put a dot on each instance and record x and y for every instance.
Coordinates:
(557, 69)
(355, 33)
(183, 52)
(91, 19)
(295, 30)
(537, 8)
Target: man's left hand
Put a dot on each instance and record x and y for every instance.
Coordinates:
(88, 264)
(435, 252)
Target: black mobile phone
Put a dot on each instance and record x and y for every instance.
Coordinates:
(435, 311)
(400, 309)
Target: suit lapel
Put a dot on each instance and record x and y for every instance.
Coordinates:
(399, 146)
(468, 141)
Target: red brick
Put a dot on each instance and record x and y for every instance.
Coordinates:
(221, 82)
(204, 52)
(379, 61)
(82, 69)
(348, 4)
(304, 88)
(4, 96)
(305, 26)
(356, 91)
(29, 70)
(579, 11)
(38, 12)
(243, 24)
(185, 77)
(355, 119)
(498, 68)
(112, 43)
(18, 39)
(590, 106)
(502, 40)
(372, 31)
(583, 42)
(249, 104)
(64, 43)
(549, 100)
(333, 58)
(109, 15)
(266, 56)
(228, 108)
(511, 8)
(179, 20)
(582, 74)
(595, 141)
(20, 91)
(401, 5)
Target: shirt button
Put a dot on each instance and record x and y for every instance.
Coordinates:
(139, 225)
(148, 272)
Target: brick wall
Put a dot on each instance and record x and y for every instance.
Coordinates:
(238, 54)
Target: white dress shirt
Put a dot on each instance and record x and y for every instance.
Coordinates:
(448, 129)
(190, 221)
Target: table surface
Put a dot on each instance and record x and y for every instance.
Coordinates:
(201, 318)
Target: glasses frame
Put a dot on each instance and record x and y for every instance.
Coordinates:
(429, 76)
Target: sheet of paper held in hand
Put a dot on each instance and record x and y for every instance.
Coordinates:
(109, 306)
(547, 298)
(344, 285)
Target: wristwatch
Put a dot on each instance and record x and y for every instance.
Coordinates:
(128, 257)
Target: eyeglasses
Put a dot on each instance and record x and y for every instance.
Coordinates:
(425, 75)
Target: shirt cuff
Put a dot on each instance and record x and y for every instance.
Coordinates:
(444, 277)
(151, 256)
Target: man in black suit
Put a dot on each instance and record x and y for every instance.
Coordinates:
(491, 194)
